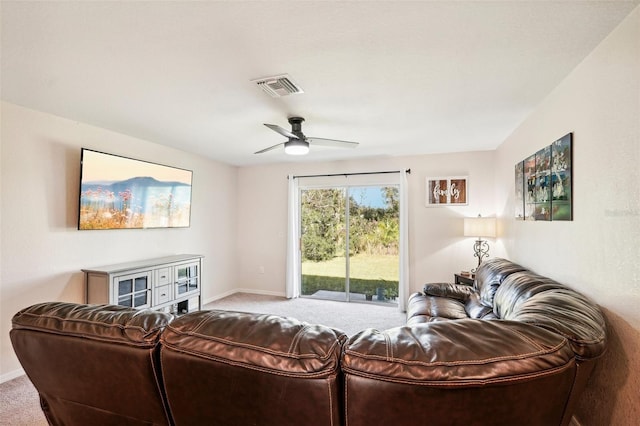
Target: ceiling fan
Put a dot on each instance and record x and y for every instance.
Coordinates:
(298, 143)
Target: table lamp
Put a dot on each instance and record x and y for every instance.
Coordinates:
(480, 227)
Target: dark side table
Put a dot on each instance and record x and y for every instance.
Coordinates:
(461, 279)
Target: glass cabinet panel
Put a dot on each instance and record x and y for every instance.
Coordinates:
(134, 291)
(125, 301)
(124, 286)
(142, 283)
(186, 271)
(193, 284)
(181, 272)
(187, 280)
(140, 299)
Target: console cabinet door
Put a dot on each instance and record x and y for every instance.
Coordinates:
(134, 290)
(187, 279)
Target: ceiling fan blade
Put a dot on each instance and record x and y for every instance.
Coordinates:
(269, 149)
(332, 142)
(282, 131)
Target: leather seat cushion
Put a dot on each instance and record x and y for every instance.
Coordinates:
(434, 306)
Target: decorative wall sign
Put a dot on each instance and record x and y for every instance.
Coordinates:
(545, 180)
(442, 191)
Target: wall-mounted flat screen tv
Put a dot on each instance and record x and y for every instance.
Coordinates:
(122, 193)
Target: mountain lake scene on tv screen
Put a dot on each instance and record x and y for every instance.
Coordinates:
(140, 201)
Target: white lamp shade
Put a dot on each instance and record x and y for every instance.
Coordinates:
(480, 227)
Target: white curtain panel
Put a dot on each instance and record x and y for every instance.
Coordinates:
(403, 285)
(293, 250)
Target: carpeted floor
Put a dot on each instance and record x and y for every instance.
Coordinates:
(19, 405)
(348, 317)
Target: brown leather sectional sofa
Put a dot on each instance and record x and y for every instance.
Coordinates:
(516, 348)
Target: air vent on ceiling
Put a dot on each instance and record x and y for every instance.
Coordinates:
(278, 86)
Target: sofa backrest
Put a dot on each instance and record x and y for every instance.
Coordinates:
(459, 372)
(540, 301)
(93, 364)
(233, 368)
(534, 299)
(490, 275)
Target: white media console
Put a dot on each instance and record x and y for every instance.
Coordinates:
(165, 283)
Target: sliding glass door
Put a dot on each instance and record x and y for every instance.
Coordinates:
(374, 241)
(350, 243)
(323, 243)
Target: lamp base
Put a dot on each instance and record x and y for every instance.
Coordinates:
(480, 250)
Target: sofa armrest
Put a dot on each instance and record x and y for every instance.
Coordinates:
(459, 292)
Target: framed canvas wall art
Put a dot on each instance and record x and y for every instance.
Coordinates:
(543, 183)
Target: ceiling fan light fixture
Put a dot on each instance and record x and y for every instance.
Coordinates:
(297, 143)
(296, 147)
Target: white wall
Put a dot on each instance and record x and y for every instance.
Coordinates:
(42, 252)
(437, 247)
(598, 253)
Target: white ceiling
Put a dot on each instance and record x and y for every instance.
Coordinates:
(401, 78)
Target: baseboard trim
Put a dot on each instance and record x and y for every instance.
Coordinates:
(243, 290)
(12, 375)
